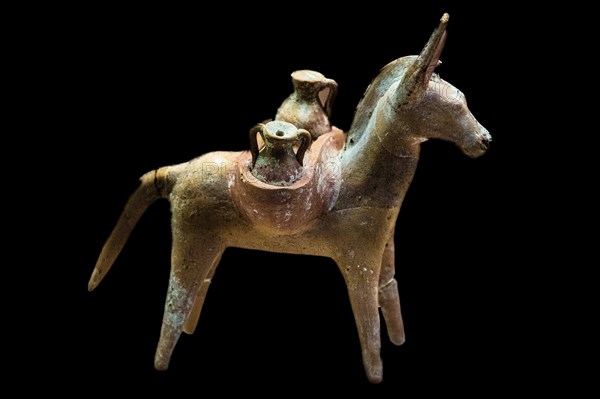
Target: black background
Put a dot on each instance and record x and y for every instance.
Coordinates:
(123, 91)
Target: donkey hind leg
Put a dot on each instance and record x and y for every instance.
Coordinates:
(192, 321)
(361, 281)
(389, 299)
(191, 263)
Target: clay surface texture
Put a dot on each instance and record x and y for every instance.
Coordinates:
(312, 188)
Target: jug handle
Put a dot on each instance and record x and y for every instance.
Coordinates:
(332, 86)
(258, 128)
(306, 138)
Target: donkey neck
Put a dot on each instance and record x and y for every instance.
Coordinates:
(378, 169)
(389, 75)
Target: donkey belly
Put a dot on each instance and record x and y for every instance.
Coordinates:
(334, 235)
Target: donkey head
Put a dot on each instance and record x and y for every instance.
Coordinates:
(433, 107)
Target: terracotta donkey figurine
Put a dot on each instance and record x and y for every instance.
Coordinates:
(349, 185)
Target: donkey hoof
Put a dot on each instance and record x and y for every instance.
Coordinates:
(160, 363)
(374, 370)
(375, 376)
(398, 339)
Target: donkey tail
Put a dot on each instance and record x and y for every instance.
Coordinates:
(152, 187)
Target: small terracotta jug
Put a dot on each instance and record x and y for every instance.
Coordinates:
(309, 106)
(276, 162)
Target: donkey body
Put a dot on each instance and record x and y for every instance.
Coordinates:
(353, 188)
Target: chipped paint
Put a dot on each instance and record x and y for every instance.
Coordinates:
(177, 294)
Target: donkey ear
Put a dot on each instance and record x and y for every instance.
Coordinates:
(430, 55)
(416, 78)
(434, 61)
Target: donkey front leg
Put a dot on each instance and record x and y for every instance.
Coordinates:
(362, 277)
(389, 299)
(193, 256)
